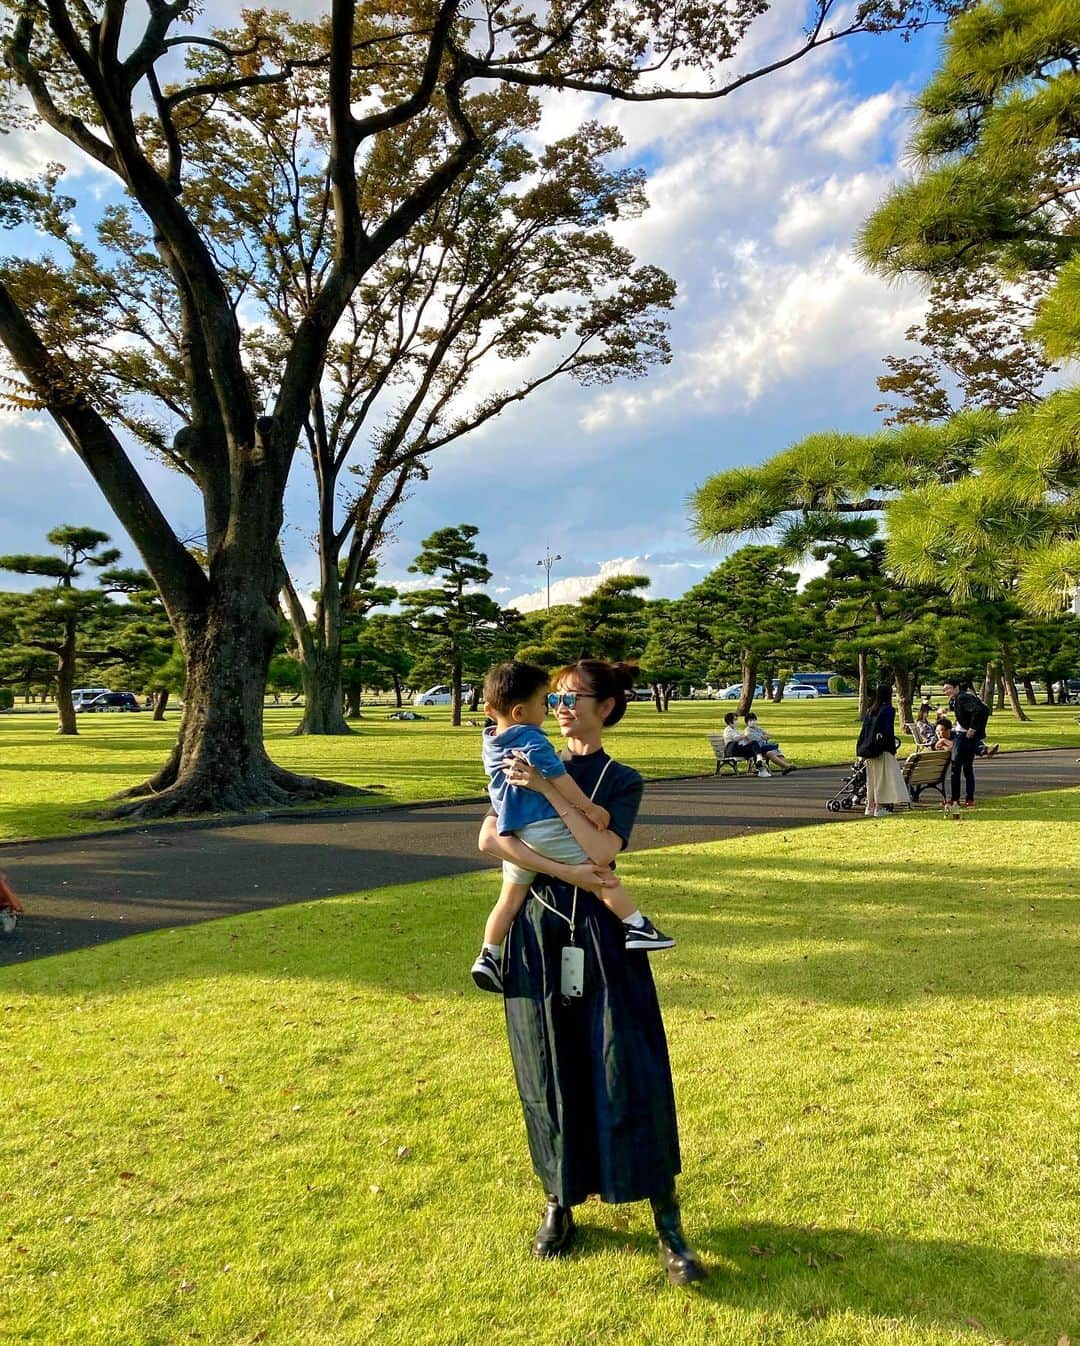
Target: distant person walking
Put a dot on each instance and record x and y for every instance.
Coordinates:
(877, 747)
(970, 715)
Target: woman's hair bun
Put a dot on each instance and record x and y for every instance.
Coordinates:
(625, 675)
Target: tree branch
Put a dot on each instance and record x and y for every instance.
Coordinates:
(364, 127)
(183, 585)
(476, 68)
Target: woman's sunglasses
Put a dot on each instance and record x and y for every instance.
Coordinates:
(567, 699)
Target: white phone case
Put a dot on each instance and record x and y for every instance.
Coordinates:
(573, 970)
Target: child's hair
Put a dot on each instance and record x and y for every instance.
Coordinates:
(605, 681)
(730, 717)
(945, 723)
(749, 716)
(509, 684)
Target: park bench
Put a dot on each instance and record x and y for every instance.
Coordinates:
(724, 758)
(925, 771)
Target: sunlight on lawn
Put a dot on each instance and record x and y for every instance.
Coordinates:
(47, 782)
(300, 1126)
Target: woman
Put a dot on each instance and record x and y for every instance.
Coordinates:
(876, 746)
(591, 1068)
(921, 729)
(767, 747)
(736, 744)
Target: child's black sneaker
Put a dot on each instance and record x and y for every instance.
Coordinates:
(646, 937)
(486, 972)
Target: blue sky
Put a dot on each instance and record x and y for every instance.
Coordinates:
(777, 333)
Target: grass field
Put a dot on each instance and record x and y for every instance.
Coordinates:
(46, 782)
(299, 1127)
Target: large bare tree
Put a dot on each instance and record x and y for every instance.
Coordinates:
(410, 91)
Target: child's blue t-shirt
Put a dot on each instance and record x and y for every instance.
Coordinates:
(514, 804)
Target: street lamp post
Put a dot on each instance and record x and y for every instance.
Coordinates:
(547, 563)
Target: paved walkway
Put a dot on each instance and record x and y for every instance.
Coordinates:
(80, 892)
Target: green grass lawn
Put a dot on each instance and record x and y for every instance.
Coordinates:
(46, 781)
(299, 1127)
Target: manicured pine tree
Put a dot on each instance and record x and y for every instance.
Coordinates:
(446, 621)
(48, 620)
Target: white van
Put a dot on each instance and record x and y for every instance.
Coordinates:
(440, 696)
(81, 695)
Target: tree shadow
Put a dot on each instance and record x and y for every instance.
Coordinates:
(849, 933)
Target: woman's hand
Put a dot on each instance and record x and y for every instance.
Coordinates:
(589, 878)
(520, 771)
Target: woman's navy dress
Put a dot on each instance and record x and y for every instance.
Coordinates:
(592, 1072)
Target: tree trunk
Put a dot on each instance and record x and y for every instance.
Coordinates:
(749, 682)
(988, 683)
(474, 700)
(65, 680)
(397, 689)
(864, 684)
(1029, 691)
(1008, 685)
(903, 679)
(767, 688)
(160, 702)
(455, 694)
(354, 695)
(669, 688)
(323, 700)
(219, 762)
(778, 690)
(1048, 683)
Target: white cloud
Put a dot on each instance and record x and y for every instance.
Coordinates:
(853, 129)
(833, 209)
(669, 579)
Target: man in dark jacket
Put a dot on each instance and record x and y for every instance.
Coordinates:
(971, 715)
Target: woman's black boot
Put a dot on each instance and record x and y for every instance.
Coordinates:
(682, 1264)
(556, 1230)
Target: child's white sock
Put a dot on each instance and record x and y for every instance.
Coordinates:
(635, 919)
(494, 949)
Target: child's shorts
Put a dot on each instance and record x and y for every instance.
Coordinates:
(552, 839)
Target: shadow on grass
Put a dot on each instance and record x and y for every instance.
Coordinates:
(815, 1273)
(789, 924)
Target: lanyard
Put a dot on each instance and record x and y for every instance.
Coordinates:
(570, 920)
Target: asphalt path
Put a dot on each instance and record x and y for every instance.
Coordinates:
(84, 891)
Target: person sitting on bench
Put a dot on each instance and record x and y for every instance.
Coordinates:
(766, 747)
(736, 743)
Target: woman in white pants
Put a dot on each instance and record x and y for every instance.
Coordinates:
(884, 780)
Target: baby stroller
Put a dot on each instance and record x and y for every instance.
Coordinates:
(852, 793)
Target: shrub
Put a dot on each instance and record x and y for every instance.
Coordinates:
(839, 686)
(7, 698)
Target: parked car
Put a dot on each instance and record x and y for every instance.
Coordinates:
(733, 692)
(800, 691)
(643, 693)
(819, 681)
(440, 696)
(111, 701)
(83, 694)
